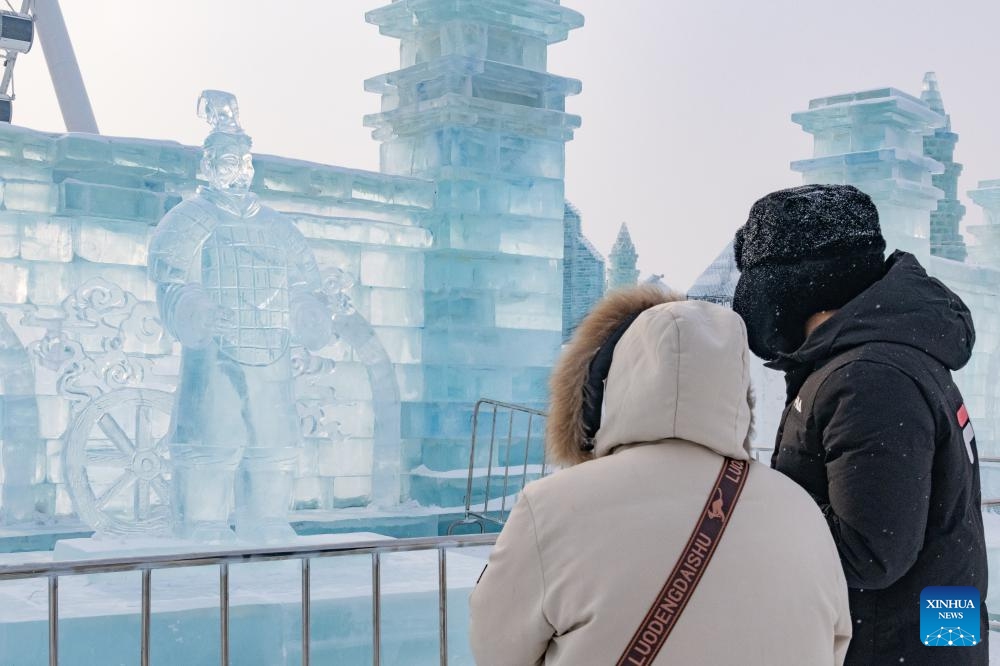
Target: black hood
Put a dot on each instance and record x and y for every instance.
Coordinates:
(906, 306)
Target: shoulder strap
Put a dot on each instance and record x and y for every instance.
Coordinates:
(677, 591)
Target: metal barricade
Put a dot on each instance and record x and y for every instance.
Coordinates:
(305, 554)
(504, 420)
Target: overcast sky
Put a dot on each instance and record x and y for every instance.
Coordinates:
(685, 105)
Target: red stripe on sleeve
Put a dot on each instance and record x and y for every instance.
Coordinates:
(963, 416)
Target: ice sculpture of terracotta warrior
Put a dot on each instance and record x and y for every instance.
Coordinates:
(237, 286)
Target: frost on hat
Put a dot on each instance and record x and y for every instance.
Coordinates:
(802, 251)
(808, 222)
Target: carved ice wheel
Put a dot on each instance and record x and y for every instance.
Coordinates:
(117, 464)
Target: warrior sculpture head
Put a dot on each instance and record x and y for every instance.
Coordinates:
(226, 161)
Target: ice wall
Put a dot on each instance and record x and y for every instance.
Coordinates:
(987, 249)
(985, 285)
(583, 273)
(946, 241)
(473, 108)
(77, 208)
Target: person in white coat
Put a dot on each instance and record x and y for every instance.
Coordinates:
(585, 552)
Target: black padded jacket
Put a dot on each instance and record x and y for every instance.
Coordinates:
(878, 433)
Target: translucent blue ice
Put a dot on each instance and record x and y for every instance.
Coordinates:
(236, 284)
(454, 253)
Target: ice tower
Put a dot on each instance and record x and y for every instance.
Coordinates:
(875, 141)
(889, 144)
(622, 271)
(474, 109)
(583, 273)
(940, 146)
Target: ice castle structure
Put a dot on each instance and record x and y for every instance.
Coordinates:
(583, 273)
(900, 150)
(889, 143)
(622, 271)
(946, 241)
(474, 109)
(450, 262)
(874, 140)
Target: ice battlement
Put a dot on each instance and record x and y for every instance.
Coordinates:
(543, 20)
(868, 120)
(876, 95)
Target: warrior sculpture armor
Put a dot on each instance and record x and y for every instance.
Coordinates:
(236, 285)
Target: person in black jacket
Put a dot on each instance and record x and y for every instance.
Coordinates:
(874, 427)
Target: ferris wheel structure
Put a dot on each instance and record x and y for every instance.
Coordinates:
(18, 28)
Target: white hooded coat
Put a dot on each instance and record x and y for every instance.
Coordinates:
(585, 551)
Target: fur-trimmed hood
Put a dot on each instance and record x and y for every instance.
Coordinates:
(571, 572)
(680, 371)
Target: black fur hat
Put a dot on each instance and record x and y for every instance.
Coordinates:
(803, 250)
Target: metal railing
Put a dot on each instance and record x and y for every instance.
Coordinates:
(515, 416)
(53, 571)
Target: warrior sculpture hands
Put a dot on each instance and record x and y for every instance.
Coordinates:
(194, 318)
(311, 320)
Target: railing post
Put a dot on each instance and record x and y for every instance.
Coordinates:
(527, 454)
(376, 610)
(443, 604)
(506, 470)
(485, 514)
(224, 613)
(147, 575)
(305, 610)
(53, 620)
(489, 464)
(472, 458)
